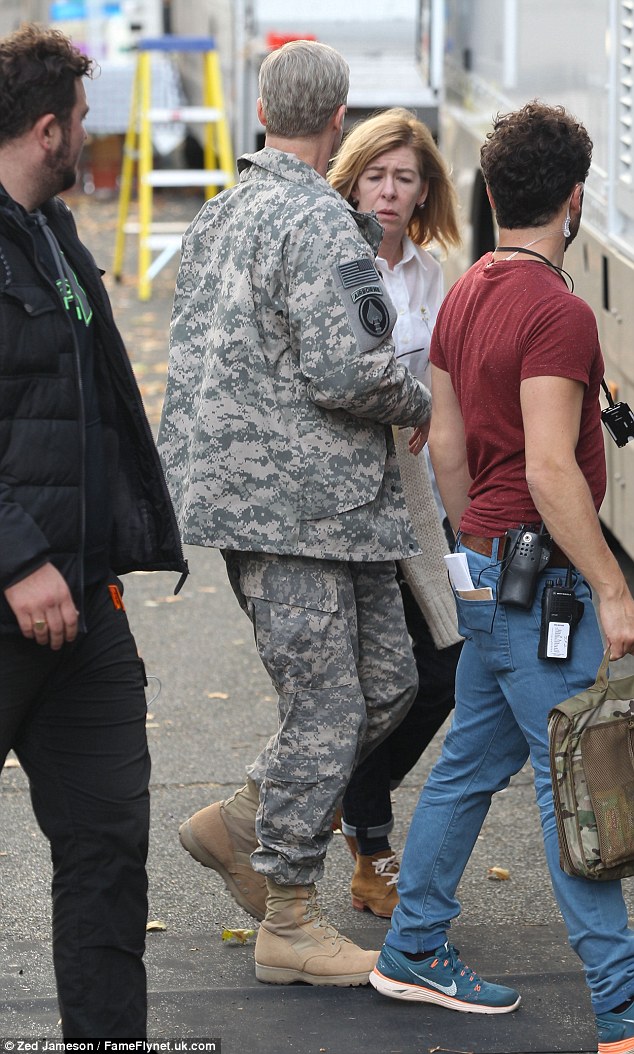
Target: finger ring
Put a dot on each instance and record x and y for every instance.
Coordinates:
(40, 625)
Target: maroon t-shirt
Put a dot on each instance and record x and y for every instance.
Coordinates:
(499, 324)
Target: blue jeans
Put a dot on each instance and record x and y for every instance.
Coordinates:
(503, 696)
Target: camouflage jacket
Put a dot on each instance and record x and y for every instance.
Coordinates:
(282, 376)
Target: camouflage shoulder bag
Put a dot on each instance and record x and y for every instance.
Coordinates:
(591, 737)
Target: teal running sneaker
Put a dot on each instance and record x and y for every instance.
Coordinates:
(616, 1032)
(442, 978)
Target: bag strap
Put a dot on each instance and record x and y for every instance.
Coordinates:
(602, 673)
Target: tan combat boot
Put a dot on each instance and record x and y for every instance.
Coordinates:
(295, 943)
(373, 883)
(222, 837)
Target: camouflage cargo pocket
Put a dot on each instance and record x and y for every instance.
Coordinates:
(606, 751)
(301, 632)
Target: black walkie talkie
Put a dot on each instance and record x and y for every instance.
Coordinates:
(561, 612)
(528, 554)
(618, 419)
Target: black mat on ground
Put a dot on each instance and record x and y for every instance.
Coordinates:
(303, 1020)
(554, 1018)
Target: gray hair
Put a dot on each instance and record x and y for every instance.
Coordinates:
(302, 84)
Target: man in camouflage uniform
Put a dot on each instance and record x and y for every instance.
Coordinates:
(277, 444)
(516, 441)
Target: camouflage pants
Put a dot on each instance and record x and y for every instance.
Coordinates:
(333, 639)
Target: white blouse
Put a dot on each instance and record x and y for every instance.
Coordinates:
(415, 286)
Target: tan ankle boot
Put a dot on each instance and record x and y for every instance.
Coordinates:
(222, 837)
(295, 943)
(373, 883)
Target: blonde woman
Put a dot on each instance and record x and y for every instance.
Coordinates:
(390, 165)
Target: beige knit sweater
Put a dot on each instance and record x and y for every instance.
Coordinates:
(426, 575)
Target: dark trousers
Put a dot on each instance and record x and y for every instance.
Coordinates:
(76, 720)
(367, 806)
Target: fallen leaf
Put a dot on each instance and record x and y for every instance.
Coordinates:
(498, 874)
(448, 1050)
(156, 926)
(240, 936)
(12, 763)
(217, 695)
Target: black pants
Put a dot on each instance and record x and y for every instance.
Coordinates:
(76, 720)
(367, 807)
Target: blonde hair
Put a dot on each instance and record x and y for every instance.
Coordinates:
(438, 221)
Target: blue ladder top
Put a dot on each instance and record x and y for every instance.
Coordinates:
(173, 43)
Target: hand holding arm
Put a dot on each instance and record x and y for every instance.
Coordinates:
(419, 437)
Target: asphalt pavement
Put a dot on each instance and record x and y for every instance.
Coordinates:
(210, 709)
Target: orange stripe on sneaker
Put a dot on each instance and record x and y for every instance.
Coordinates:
(463, 1002)
(619, 1046)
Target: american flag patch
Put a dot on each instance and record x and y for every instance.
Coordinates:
(357, 271)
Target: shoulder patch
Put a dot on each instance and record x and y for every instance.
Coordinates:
(357, 272)
(370, 311)
(374, 316)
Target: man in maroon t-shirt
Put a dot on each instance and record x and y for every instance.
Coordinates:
(516, 441)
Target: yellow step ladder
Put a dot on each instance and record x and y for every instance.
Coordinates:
(218, 171)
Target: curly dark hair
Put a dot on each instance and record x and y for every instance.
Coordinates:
(38, 70)
(532, 160)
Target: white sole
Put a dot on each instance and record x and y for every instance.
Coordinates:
(413, 993)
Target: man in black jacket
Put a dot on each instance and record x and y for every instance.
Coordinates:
(82, 499)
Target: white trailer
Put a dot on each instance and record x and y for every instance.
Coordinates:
(387, 43)
(500, 54)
